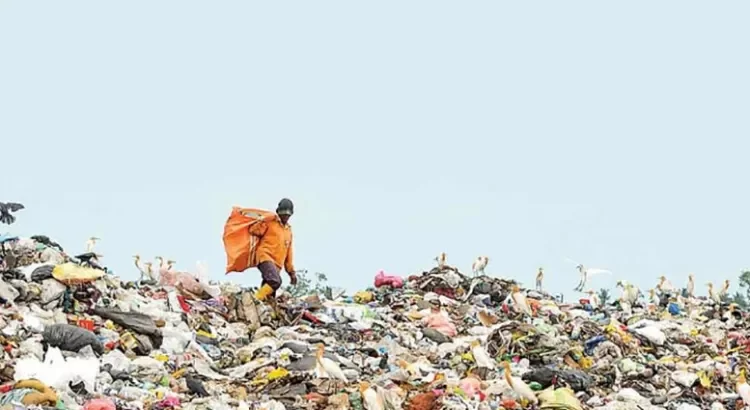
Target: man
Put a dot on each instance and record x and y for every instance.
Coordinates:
(275, 249)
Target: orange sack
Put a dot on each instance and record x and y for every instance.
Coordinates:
(239, 245)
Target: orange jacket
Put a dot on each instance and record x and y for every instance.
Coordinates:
(275, 243)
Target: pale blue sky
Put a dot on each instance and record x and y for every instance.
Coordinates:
(614, 133)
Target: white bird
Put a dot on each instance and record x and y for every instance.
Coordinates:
(520, 302)
(91, 243)
(418, 369)
(743, 389)
(593, 298)
(161, 264)
(137, 259)
(691, 285)
(586, 273)
(629, 292)
(539, 279)
(326, 368)
(519, 386)
(478, 266)
(149, 271)
(713, 296)
(664, 285)
(441, 260)
(370, 398)
(481, 357)
(724, 289)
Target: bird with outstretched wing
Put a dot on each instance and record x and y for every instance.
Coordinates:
(586, 273)
(6, 209)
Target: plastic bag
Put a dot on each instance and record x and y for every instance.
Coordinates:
(8, 292)
(57, 372)
(70, 273)
(559, 399)
(239, 245)
(381, 279)
(71, 338)
(99, 404)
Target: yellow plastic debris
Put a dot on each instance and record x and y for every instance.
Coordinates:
(363, 297)
(70, 274)
(205, 334)
(704, 379)
(559, 399)
(277, 374)
(586, 362)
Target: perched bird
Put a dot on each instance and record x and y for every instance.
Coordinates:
(90, 259)
(520, 302)
(724, 289)
(195, 386)
(418, 369)
(519, 386)
(743, 389)
(149, 270)
(441, 260)
(664, 285)
(629, 292)
(539, 279)
(137, 260)
(478, 266)
(593, 298)
(6, 210)
(691, 285)
(170, 264)
(326, 368)
(481, 357)
(370, 398)
(91, 243)
(712, 295)
(161, 264)
(47, 241)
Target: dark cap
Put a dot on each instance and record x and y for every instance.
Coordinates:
(286, 207)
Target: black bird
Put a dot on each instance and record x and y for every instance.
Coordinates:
(383, 364)
(6, 209)
(43, 239)
(195, 386)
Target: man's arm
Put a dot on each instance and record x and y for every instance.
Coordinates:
(289, 261)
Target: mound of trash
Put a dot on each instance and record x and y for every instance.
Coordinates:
(75, 336)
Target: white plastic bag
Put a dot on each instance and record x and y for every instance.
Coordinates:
(57, 372)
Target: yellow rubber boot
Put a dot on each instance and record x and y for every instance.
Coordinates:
(264, 292)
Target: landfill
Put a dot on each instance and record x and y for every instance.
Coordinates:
(75, 336)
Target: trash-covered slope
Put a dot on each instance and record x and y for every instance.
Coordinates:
(76, 337)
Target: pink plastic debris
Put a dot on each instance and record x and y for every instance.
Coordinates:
(381, 279)
(99, 404)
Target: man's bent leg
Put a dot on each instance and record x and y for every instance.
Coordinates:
(271, 280)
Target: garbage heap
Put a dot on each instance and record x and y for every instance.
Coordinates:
(77, 337)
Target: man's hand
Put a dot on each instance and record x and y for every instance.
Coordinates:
(293, 278)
